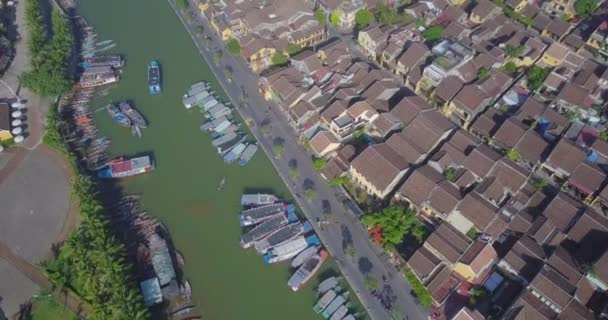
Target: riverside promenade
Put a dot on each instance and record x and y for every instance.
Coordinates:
(344, 230)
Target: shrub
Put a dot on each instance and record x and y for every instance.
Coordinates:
(233, 47)
(319, 163)
(182, 4)
(536, 77)
(320, 16)
(363, 18)
(279, 59)
(421, 292)
(433, 34)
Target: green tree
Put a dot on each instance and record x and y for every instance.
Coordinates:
(92, 262)
(536, 77)
(320, 16)
(217, 56)
(450, 174)
(182, 4)
(572, 115)
(433, 34)
(482, 73)
(233, 47)
(334, 18)
(513, 52)
(604, 135)
(294, 172)
(350, 251)
(50, 56)
(513, 154)
(293, 49)
(371, 283)
(538, 183)
(279, 59)
(310, 194)
(421, 292)
(585, 8)
(510, 67)
(395, 224)
(389, 16)
(338, 181)
(278, 151)
(363, 18)
(319, 163)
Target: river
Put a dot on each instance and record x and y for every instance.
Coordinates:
(228, 282)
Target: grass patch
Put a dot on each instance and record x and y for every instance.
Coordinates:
(47, 308)
(419, 290)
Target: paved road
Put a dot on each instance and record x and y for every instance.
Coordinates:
(345, 229)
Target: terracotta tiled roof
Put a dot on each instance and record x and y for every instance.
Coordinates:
(563, 262)
(563, 211)
(566, 156)
(575, 95)
(479, 256)
(415, 53)
(423, 262)
(531, 109)
(470, 98)
(587, 178)
(442, 285)
(322, 141)
(408, 108)
(525, 257)
(448, 242)
(509, 134)
(480, 160)
(488, 122)
(477, 210)
(575, 310)
(444, 198)
(448, 88)
(550, 284)
(533, 147)
(529, 307)
(380, 165)
(587, 232)
(419, 184)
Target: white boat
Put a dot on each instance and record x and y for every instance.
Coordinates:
(349, 317)
(256, 215)
(235, 153)
(222, 126)
(340, 313)
(263, 229)
(334, 305)
(327, 285)
(258, 199)
(281, 236)
(223, 139)
(303, 256)
(290, 249)
(307, 271)
(210, 103)
(248, 154)
(325, 300)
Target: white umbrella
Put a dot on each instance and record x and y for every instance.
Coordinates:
(16, 114)
(17, 105)
(17, 130)
(18, 139)
(16, 123)
(1, 148)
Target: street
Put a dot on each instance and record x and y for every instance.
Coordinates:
(344, 231)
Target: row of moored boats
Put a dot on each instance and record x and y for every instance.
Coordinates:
(219, 122)
(333, 301)
(276, 232)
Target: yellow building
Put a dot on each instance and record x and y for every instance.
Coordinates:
(475, 261)
(555, 54)
(369, 40)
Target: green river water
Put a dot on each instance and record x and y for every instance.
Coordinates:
(228, 283)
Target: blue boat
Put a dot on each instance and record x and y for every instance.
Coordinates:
(154, 77)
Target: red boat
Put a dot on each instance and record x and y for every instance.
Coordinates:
(120, 168)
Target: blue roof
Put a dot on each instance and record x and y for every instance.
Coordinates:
(151, 291)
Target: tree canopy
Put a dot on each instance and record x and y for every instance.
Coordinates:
(92, 262)
(585, 8)
(279, 59)
(395, 224)
(389, 16)
(233, 47)
(293, 49)
(320, 16)
(536, 77)
(182, 4)
(363, 18)
(50, 55)
(334, 18)
(513, 52)
(433, 34)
